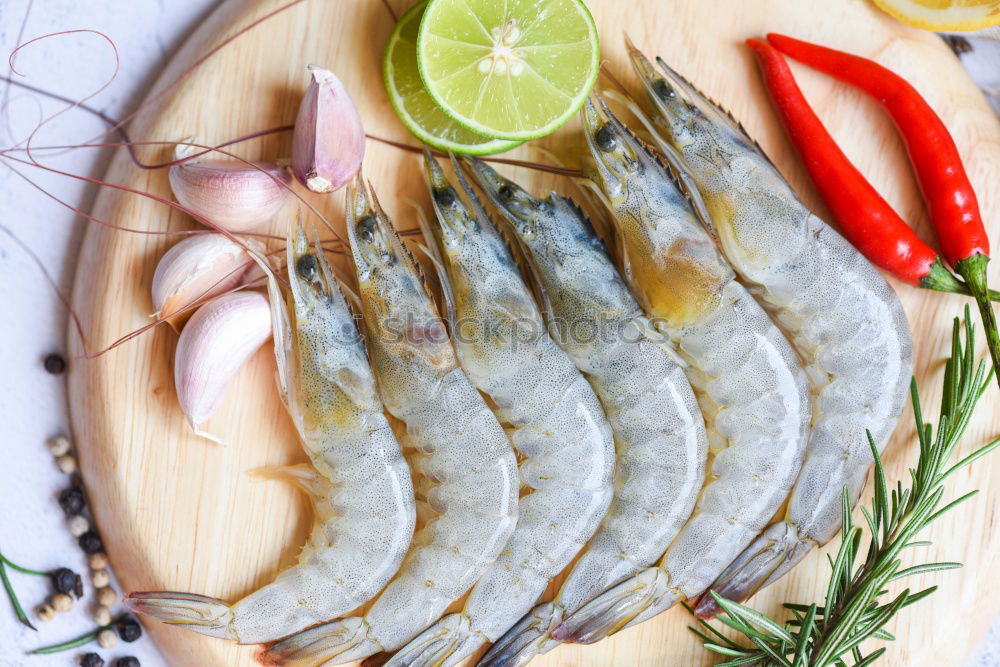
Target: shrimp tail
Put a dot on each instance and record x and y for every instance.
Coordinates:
(205, 615)
(529, 637)
(335, 643)
(775, 551)
(447, 642)
(632, 601)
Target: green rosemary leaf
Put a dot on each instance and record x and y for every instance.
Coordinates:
(725, 650)
(916, 597)
(751, 658)
(872, 525)
(977, 454)
(871, 658)
(703, 623)
(82, 640)
(18, 610)
(884, 635)
(881, 500)
(770, 651)
(751, 617)
(927, 567)
(739, 626)
(22, 570)
(955, 503)
(838, 575)
(706, 640)
(918, 543)
(802, 641)
(866, 630)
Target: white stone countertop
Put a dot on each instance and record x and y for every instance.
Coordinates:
(32, 321)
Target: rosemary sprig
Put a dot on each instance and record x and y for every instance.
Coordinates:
(853, 609)
(9, 588)
(77, 642)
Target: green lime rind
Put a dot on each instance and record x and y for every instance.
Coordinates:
(556, 71)
(415, 107)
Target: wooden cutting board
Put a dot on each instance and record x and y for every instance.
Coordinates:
(179, 513)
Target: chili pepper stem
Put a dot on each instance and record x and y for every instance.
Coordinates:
(973, 270)
(940, 279)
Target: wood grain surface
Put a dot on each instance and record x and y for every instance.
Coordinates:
(179, 513)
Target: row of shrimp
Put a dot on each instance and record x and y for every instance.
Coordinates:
(742, 349)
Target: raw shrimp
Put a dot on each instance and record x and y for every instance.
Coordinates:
(358, 479)
(752, 391)
(837, 310)
(552, 415)
(659, 430)
(470, 486)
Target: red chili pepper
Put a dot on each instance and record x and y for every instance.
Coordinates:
(950, 198)
(952, 203)
(864, 217)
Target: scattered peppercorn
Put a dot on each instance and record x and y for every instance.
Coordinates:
(107, 638)
(71, 500)
(127, 661)
(100, 578)
(55, 364)
(45, 612)
(62, 602)
(98, 561)
(78, 525)
(107, 596)
(129, 629)
(101, 615)
(91, 660)
(65, 580)
(90, 542)
(67, 464)
(59, 445)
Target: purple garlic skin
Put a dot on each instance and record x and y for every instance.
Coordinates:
(199, 267)
(329, 140)
(218, 340)
(234, 196)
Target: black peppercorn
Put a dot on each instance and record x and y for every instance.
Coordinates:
(54, 364)
(129, 629)
(127, 661)
(65, 580)
(72, 501)
(90, 542)
(91, 660)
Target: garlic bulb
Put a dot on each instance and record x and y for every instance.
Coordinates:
(198, 268)
(235, 196)
(221, 336)
(329, 140)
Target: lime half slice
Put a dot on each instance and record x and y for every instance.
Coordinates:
(419, 113)
(508, 69)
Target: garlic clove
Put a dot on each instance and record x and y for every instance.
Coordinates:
(232, 195)
(197, 268)
(218, 340)
(329, 140)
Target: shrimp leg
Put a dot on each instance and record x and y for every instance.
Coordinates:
(841, 315)
(752, 391)
(471, 479)
(359, 482)
(658, 428)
